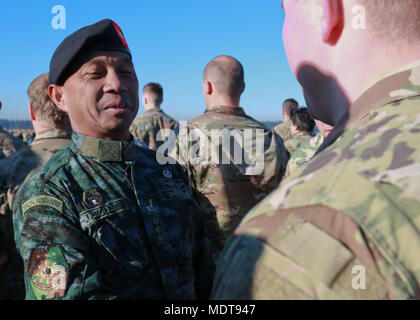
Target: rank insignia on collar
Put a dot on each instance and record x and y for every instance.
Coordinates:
(167, 173)
(92, 197)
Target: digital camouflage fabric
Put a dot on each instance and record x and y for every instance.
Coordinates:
(304, 153)
(296, 140)
(146, 127)
(9, 143)
(227, 189)
(103, 220)
(13, 171)
(351, 212)
(283, 130)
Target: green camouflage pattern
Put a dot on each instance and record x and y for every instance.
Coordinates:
(283, 130)
(103, 220)
(359, 197)
(296, 140)
(9, 143)
(13, 171)
(304, 152)
(146, 127)
(227, 191)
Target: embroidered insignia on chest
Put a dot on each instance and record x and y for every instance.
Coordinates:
(167, 173)
(92, 197)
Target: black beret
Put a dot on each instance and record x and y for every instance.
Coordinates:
(103, 35)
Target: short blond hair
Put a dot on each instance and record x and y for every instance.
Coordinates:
(43, 107)
(393, 20)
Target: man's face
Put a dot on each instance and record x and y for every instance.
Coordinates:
(101, 97)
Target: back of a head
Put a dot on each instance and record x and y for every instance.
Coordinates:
(154, 93)
(44, 109)
(227, 75)
(301, 118)
(290, 105)
(395, 21)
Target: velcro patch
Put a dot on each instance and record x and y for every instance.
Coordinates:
(42, 201)
(315, 250)
(92, 215)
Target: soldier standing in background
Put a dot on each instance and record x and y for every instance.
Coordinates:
(346, 225)
(308, 149)
(103, 219)
(53, 132)
(301, 128)
(9, 143)
(283, 129)
(226, 190)
(146, 127)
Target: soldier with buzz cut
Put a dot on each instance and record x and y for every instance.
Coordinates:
(102, 219)
(9, 143)
(346, 225)
(53, 132)
(301, 129)
(146, 127)
(283, 129)
(225, 184)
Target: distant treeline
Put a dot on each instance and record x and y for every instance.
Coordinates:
(15, 124)
(27, 124)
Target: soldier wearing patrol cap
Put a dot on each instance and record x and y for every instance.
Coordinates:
(102, 219)
(346, 225)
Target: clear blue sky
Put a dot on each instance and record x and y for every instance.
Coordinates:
(171, 42)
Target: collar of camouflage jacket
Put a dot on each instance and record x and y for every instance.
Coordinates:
(55, 133)
(238, 111)
(154, 110)
(404, 83)
(104, 150)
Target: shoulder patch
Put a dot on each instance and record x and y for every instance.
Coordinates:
(42, 201)
(47, 269)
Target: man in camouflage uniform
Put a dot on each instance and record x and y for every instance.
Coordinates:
(307, 149)
(301, 127)
(225, 188)
(102, 219)
(146, 127)
(53, 131)
(9, 143)
(283, 129)
(346, 225)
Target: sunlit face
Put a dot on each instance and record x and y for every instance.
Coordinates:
(101, 97)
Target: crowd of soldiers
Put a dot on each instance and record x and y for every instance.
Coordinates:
(88, 210)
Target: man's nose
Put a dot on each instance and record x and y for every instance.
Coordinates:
(114, 82)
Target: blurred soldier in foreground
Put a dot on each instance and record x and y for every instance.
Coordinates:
(9, 143)
(225, 185)
(301, 127)
(347, 224)
(283, 129)
(307, 149)
(146, 127)
(53, 132)
(102, 219)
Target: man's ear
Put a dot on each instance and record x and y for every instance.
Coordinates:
(56, 95)
(333, 20)
(31, 111)
(144, 100)
(207, 88)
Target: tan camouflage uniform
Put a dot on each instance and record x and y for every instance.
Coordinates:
(146, 127)
(283, 130)
(226, 192)
(304, 152)
(9, 143)
(352, 210)
(13, 171)
(296, 140)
